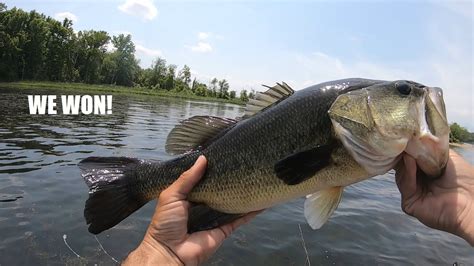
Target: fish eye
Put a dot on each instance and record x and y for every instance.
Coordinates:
(403, 88)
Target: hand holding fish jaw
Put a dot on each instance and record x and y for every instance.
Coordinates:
(448, 205)
(167, 241)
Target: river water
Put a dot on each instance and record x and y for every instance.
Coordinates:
(42, 197)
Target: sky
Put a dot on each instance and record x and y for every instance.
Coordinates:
(303, 43)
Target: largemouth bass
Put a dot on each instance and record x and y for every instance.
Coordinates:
(312, 142)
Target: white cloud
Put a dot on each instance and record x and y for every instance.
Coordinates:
(147, 51)
(146, 55)
(463, 8)
(144, 9)
(203, 35)
(201, 47)
(62, 15)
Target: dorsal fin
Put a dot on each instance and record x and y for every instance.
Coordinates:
(268, 98)
(194, 132)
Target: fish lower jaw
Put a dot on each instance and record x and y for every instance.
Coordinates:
(380, 167)
(430, 153)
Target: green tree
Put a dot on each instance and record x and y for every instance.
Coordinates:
(124, 55)
(23, 38)
(194, 85)
(155, 76)
(201, 89)
(59, 62)
(109, 68)
(243, 96)
(34, 47)
(223, 89)
(213, 87)
(91, 49)
(170, 77)
(185, 75)
(459, 134)
(252, 94)
(12, 37)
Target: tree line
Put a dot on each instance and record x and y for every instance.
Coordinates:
(460, 134)
(36, 47)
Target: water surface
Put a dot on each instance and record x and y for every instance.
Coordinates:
(42, 197)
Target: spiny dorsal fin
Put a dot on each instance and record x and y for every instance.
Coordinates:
(268, 98)
(194, 132)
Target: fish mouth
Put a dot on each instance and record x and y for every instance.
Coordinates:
(430, 145)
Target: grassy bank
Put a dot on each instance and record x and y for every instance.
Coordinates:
(113, 89)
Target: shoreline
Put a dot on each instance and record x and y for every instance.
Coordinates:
(463, 145)
(111, 89)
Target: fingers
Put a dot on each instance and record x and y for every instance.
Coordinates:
(406, 177)
(185, 183)
(241, 221)
(224, 231)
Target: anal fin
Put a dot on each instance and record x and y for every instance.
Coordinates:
(201, 217)
(319, 206)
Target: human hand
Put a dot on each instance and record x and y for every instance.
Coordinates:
(167, 241)
(447, 203)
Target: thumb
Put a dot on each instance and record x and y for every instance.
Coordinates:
(406, 177)
(185, 183)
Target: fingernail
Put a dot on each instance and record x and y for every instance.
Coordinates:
(200, 158)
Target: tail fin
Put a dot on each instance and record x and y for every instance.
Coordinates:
(111, 198)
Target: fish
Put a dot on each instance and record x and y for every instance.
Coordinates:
(288, 144)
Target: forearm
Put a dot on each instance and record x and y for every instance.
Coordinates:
(465, 178)
(151, 254)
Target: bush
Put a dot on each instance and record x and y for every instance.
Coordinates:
(460, 134)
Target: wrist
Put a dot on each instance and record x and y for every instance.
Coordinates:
(466, 230)
(152, 252)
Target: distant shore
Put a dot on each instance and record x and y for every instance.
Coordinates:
(462, 145)
(113, 89)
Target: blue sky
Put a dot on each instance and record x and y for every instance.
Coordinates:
(300, 42)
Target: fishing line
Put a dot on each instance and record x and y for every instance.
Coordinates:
(104, 249)
(65, 242)
(304, 246)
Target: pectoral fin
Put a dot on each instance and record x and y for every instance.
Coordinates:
(319, 206)
(300, 166)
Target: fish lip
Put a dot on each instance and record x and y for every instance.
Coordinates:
(430, 149)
